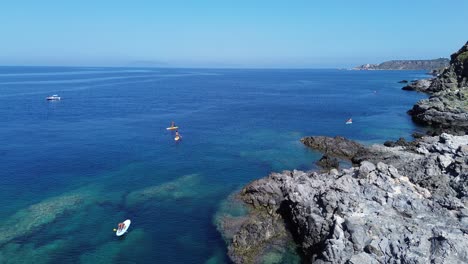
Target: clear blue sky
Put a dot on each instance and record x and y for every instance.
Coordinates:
(236, 33)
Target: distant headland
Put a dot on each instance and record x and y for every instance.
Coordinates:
(428, 65)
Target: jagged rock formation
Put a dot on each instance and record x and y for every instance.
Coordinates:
(439, 163)
(447, 109)
(327, 162)
(456, 75)
(374, 213)
(429, 65)
(337, 146)
(419, 85)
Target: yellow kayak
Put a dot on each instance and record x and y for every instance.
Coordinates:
(172, 128)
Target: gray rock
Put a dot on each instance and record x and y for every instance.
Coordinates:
(445, 160)
(365, 168)
(418, 85)
(335, 219)
(446, 110)
(362, 258)
(336, 146)
(409, 208)
(437, 163)
(328, 163)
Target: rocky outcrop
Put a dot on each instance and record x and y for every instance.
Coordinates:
(419, 85)
(337, 146)
(34, 217)
(400, 142)
(328, 162)
(402, 204)
(456, 75)
(419, 160)
(447, 109)
(443, 114)
(439, 163)
(406, 65)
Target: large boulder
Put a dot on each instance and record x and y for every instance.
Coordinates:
(418, 85)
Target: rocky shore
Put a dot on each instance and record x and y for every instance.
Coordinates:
(401, 202)
(447, 108)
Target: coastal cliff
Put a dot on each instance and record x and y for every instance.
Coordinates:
(447, 108)
(429, 65)
(401, 202)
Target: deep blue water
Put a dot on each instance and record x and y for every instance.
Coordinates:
(71, 170)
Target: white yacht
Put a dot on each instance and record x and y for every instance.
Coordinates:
(53, 98)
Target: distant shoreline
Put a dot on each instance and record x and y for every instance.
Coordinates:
(428, 65)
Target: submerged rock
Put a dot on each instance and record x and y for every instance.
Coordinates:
(254, 235)
(32, 218)
(183, 187)
(111, 251)
(31, 253)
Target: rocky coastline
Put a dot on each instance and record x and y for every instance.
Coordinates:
(401, 202)
(447, 108)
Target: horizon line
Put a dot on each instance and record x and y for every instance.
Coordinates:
(185, 67)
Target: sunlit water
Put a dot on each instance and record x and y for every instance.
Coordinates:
(71, 170)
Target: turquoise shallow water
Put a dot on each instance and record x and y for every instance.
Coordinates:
(71, 170)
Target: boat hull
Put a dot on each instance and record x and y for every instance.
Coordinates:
(124, 230)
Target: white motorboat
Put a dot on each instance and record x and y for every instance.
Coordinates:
(53, 98)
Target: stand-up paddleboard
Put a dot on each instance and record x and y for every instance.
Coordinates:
(177, 138)
(122, 231)
(349, 121)
(172, 128)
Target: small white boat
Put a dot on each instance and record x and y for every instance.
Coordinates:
(349, 122)
(53, 98)
(121, 232)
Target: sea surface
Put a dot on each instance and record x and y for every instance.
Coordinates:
(70, 170)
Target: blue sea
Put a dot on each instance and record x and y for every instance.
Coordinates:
(71, 170)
